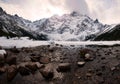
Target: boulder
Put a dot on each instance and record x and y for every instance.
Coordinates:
(45, 60)
(23, 71)
(32, 66)
(47, 72)
(35, 58)
(11, 72)
(11, 60)
(2, 60)
(63, 67)
(3, 69)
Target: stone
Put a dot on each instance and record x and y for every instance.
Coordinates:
(112, 68)
(88, 74)
(47, 72)
(11, 60)
(88, 57)
(11, 72)
(39, 65)
(35, 58)
(81, 63)
(87, 54)
(2, 69)
(2, 60)
(99, 73)
(23, 71)
(63, 67)
(44, 60)
(15, 50)
(32, 66)
(2, 52)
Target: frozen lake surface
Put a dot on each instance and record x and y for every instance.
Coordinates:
(25, 42)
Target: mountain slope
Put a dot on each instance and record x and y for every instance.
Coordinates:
(10, 26)
(72, 26)
(112, 34)
(69, 27)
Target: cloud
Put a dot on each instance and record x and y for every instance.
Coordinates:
(107, 11)
(78, 5)
(34, 9)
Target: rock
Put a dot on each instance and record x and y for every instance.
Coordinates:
(63, 67)
(23, 71)
(80, 63)
(87, 54)
(35, 58)
(47, 72)
(15, 50)
(39, 65)
(11, 72)
(32, 54)
(32, 66)
(2, 60)
(2, 52)
(112, 68)
(44, 60)
(88, 74)
(2, 69)
(99, 73)
(11, 60)
(51, 50)
(88, 57)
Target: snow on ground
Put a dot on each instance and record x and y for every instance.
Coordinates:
(19, 43)
(25, 42)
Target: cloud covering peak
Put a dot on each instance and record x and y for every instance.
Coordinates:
(107, 11)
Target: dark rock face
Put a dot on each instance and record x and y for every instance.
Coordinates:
(113, 34)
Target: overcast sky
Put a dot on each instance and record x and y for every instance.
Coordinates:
(107, 11)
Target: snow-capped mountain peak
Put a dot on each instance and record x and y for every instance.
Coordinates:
(73, 26)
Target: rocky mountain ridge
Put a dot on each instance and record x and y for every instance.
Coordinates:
(69, 27)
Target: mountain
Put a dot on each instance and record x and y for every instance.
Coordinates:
(69, 27)
(13, 26)
(109, 35)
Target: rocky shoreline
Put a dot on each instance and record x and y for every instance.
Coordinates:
(61, 65)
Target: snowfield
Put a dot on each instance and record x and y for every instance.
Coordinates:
(25, 42)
